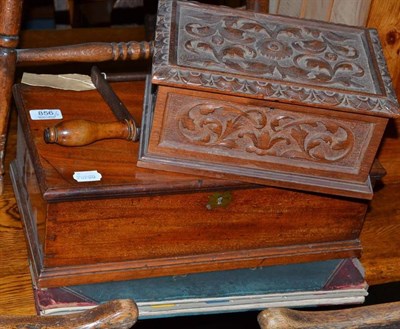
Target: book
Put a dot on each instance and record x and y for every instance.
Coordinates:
(331, 282)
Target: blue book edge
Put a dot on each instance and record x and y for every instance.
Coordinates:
(330, 282)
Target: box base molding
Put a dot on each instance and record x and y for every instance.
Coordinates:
(126, 270)
(361, 190)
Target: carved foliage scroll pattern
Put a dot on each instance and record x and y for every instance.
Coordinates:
(166, 71)
(265, 131)
(263, 49)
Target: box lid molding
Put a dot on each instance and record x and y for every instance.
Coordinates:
(167, 72)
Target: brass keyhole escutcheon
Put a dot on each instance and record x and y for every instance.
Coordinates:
(218, 200)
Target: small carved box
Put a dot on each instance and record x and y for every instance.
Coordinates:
(266, 99)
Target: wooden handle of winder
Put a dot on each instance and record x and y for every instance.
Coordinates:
(385, 315)
(84, 132)
(121, 314)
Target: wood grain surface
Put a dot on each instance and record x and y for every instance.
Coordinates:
(16, 295)
(115, 314)
(381, 256)
(373, 316)
(335, 11)
(384, 16)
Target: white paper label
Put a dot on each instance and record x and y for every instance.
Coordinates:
(45, 114)
(87, 176)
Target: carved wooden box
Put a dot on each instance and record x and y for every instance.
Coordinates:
(137, 222)
(266, 99)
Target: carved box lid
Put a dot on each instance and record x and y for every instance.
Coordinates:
(231, 51)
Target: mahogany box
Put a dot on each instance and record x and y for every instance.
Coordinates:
(266, 99)
(90, 214)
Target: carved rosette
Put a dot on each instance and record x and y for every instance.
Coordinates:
(282, 59)
(265, 131)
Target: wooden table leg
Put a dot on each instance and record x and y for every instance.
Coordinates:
(10, 20)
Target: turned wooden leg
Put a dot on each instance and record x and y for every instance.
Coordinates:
(10, 18)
